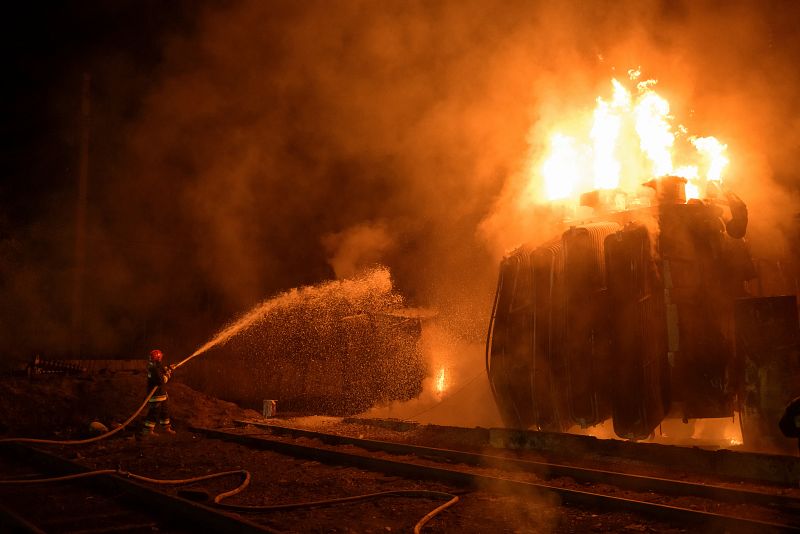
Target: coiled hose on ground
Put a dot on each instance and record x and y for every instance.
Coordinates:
(87, 440)
(218, 499)
(246, 482)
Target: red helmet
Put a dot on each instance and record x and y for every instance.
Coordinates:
(156, 355)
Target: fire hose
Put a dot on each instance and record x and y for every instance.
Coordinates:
(189, 358)
(246, 482)
(218, 499)
(83, 441)
(101, 436)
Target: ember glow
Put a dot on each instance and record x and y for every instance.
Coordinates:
(441, 382)
(626, 140)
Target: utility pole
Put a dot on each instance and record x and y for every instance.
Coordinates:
(80, 218)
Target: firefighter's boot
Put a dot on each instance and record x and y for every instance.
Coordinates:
(148, 430)
(166, 428)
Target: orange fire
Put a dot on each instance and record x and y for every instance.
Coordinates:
(441, 382)
(628, 139)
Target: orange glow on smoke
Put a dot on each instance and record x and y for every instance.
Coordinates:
(625, 141)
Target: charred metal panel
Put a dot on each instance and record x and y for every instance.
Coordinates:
(768, 348)
(640, 398)
(510, 349)
(549, 400)
(692, 245)
(526, 340)
(586, 342)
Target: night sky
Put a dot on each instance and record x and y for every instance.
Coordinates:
(241, 148)
(49, 47)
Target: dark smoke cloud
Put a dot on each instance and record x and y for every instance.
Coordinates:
(282, 143)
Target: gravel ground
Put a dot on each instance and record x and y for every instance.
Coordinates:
(63, 407)
(279, 479)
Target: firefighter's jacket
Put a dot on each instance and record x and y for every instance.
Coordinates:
(157, 375)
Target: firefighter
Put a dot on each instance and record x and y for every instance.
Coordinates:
(790, 422)
(157, 376)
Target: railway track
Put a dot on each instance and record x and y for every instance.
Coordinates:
(98, 504)
(714, 508)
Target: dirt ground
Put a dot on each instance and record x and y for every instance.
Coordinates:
(52, 406)
(63, 407)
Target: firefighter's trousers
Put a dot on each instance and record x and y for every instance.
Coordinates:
(157, 413)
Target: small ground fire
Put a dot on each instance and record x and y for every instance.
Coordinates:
(441, 382)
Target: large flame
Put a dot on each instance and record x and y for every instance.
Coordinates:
(626, 141)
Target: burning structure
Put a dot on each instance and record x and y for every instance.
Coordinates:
(648, 304)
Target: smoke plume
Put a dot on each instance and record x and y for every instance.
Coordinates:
(354, 249)
(277, 144)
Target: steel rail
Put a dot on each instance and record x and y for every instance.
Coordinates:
(177, 509)
(549, 470)
(491, 483)
(721, 463)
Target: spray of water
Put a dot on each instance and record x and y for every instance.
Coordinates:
(376, 281)
(334, 348)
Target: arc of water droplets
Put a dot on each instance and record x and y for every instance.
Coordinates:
(377, 280)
